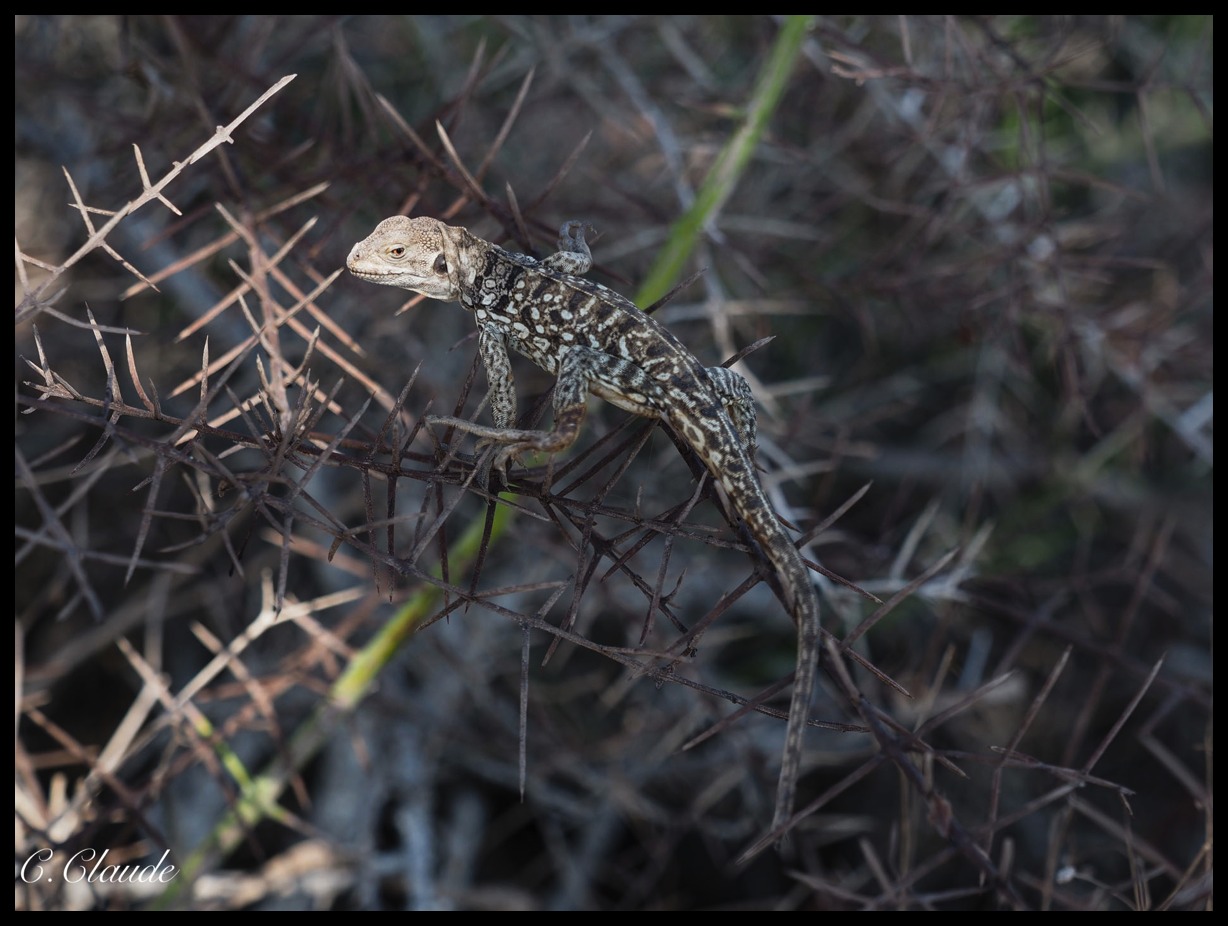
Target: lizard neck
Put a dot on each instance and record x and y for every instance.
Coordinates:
(488, 279)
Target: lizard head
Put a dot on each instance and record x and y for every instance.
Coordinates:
(416, 254)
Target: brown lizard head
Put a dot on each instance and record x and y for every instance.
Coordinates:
(419, 254)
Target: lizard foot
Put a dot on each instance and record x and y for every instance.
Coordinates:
(572, 234)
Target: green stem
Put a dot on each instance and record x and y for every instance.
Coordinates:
(723, 177)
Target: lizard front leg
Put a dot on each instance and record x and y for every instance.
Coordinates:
(573, 255)
(500, 395)
(500, 381)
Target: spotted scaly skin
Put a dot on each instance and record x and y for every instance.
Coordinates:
(596, 340)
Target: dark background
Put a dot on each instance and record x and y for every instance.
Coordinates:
(984, 246)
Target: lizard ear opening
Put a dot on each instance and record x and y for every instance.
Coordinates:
(441, 265)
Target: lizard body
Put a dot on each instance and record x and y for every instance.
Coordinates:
(596, 340)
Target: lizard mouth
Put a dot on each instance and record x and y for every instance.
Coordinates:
(387, 279)
(369, 275)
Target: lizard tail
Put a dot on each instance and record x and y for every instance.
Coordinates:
(745, 493)
(803, 602)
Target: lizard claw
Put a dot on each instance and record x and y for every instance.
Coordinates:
(502, 455)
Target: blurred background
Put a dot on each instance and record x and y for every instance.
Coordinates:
(264, 633)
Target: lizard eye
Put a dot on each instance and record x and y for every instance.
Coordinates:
(396, 252)
(441, 265)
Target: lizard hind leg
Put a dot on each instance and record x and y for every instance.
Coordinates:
(570, 408)
(513, 442)
(739, 402)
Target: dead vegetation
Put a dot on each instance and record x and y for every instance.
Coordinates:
(269, 625)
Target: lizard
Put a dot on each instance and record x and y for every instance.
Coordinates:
(596, 340)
